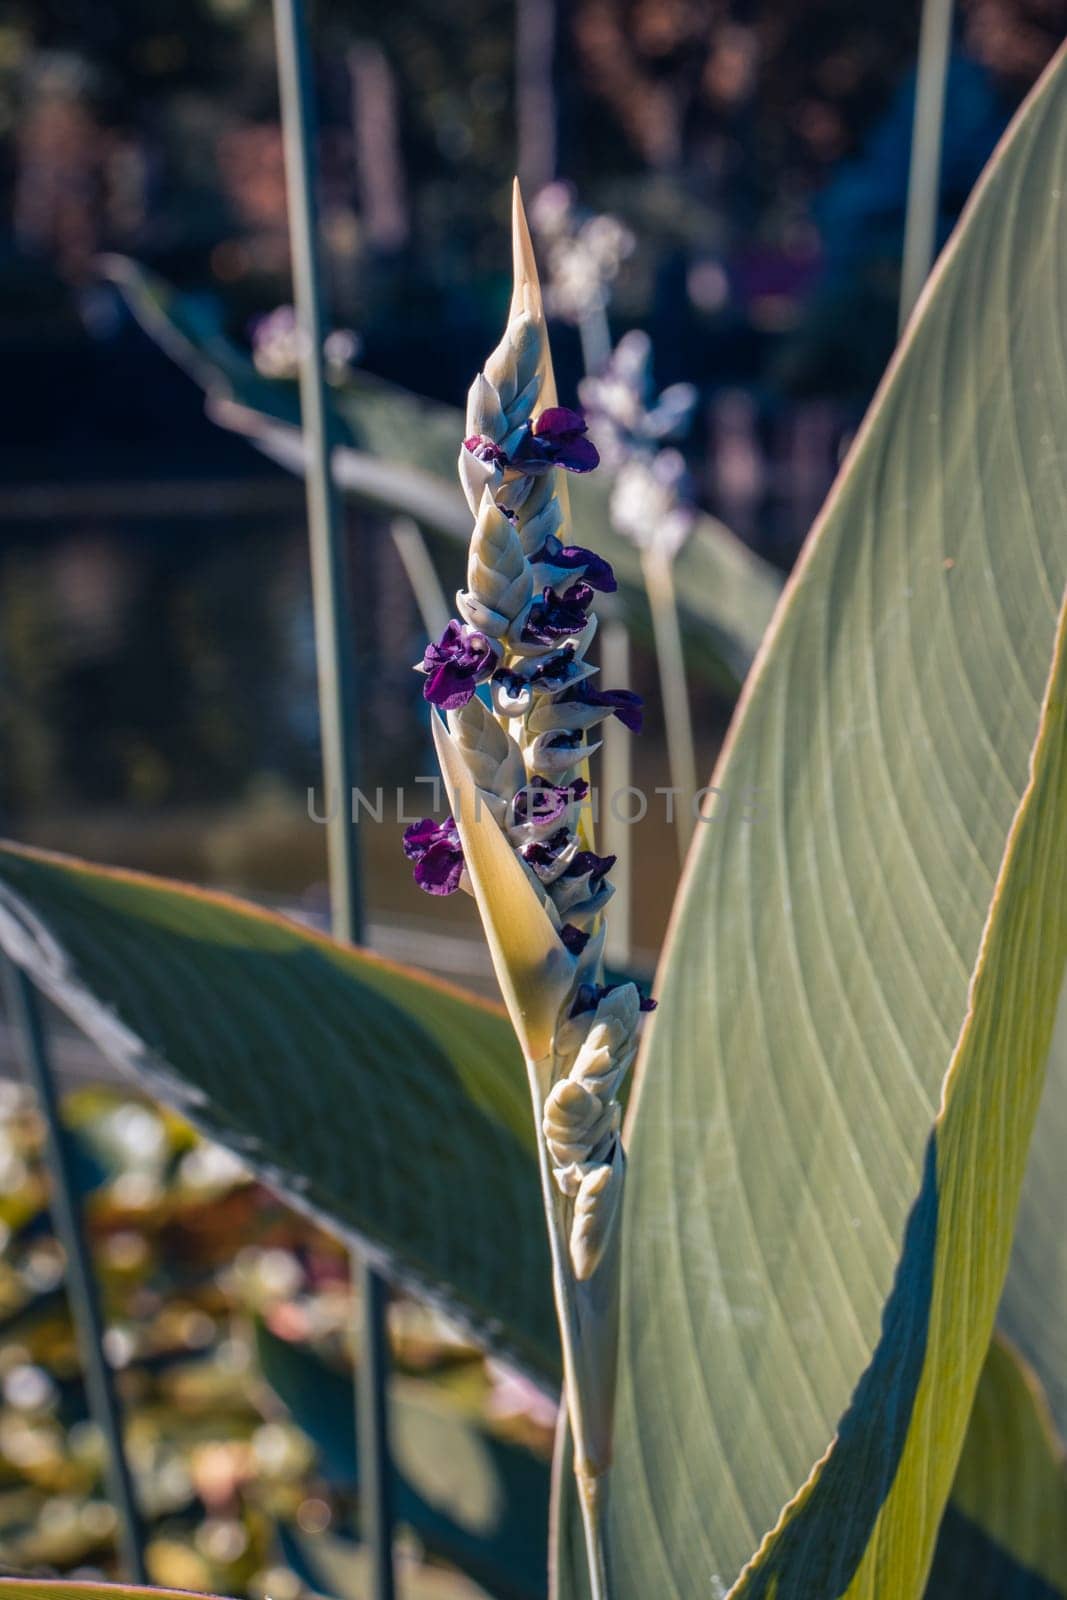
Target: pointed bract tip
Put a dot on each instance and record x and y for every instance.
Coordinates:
(526, 291)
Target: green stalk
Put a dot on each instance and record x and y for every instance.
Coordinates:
(578, 1364)
(417, 562)
(658, 573)
(595, 334)
(336, 707)
(81, 1284)
(924, 176)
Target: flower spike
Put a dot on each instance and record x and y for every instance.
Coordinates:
(511, 674)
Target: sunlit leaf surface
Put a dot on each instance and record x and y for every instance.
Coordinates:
(856, 1006)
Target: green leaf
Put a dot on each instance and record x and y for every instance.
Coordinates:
(340, 1568)
(1033, 1312)
(392, 1104)
(477, 1501)
(1004, 1536)
(397, 452)
(830, 1127)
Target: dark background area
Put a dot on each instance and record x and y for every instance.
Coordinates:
(156, 668)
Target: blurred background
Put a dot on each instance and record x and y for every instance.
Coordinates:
(157, 681)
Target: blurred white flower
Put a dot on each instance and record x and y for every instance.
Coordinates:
(278, 344)
(650, 504)
(583, 253)
(622, 407)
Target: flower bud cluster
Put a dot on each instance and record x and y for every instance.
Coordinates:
(511, 673)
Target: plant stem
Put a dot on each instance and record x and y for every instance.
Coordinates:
(589, 1479)
(659, 582)
(81, 1284)
(535, 92)
(336, 704)
(595, 334)
(924, 176)
(421, 573)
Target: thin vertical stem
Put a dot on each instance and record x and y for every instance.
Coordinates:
(336, 702)
(594, 330)
(535, 92)
(924, 176)
(616, 771)
(81, 1284)
(421, 573)
(574, 1397)
(659, 582)
(325, 523)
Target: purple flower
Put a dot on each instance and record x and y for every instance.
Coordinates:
(597, 867)
(596, 571)
(622, 703)
(544, 802)
(437, 854)
(545, 851)
(455, 665)
(590, 995)
(554, 668)
(573, 938)
(556, 439)
(555, 616)
(485, 450)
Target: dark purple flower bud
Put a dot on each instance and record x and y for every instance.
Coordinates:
(597, 572)
(437, 854)
(513, 682)
(554, 668)
(597, 867)
(555, 616)
(485, 450)
(544, 802)
(556, 439)
(545, 851)
(573, 938)
(622, 703)
(461, 659)
(590, 995)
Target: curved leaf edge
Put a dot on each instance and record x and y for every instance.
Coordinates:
(26, 939)
(969, 1108)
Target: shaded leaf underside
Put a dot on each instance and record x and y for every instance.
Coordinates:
(1004, 1535)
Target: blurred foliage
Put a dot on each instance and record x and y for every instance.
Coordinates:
(199, 1268)
(712, 126)
(758, 154)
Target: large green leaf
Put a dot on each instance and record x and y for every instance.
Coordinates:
(1004, 1535)
(1034, 1310)
(831, 1122)
(397, 452)
(390, 1103)
(476, 1500)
